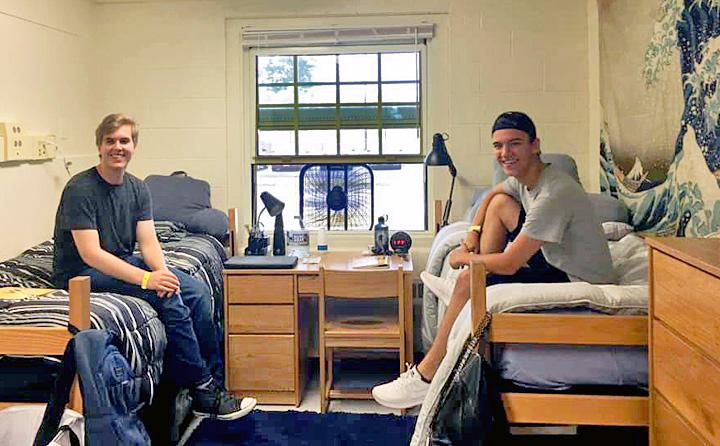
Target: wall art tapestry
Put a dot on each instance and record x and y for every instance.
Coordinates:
(660, 94)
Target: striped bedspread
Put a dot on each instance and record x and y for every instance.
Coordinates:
(140, 330)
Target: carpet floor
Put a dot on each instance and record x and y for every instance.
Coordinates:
(306, 428)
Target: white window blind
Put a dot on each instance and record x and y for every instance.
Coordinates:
(254, 37)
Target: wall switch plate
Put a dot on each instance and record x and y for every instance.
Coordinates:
(14, 141)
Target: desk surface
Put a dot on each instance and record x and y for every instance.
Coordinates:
(338, 260)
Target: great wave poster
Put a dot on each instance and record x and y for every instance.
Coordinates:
(660, 93)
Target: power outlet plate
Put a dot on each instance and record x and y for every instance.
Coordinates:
(43, 147)
(15, 149)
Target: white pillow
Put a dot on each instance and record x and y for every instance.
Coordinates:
(615, 230)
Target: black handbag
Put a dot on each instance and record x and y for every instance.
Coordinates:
(470, 410)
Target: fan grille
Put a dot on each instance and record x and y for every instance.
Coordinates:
(337, 196)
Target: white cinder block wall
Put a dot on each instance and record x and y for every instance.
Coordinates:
(45, 87)
(166, 63)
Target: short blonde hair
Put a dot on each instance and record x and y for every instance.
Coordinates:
(113, 122)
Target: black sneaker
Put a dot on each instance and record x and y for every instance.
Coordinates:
(216, 402)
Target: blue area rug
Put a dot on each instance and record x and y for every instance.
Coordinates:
(306, 428)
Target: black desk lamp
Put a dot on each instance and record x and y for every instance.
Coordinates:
(439, 156)
(275, 208)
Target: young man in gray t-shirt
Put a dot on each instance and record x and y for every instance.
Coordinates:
(536, 226)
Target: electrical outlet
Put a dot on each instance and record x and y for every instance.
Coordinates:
(44, 147)
(15, 148)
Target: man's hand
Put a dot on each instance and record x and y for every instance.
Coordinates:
(460, 256)
(471, 242)
(164, 282)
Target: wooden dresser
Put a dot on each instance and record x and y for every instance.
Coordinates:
(684, 341)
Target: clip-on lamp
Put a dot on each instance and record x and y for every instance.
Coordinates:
(275, 208)
(439, 156)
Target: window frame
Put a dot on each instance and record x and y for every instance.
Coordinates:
(339, 50)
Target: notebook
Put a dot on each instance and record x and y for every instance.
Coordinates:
(261, 262)
(370, 262)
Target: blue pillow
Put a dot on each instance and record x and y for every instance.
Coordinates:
(208, 221)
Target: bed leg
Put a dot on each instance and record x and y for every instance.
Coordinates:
(478, 306)
(79, 288)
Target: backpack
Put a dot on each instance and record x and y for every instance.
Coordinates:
(110, 391)
(470, 410)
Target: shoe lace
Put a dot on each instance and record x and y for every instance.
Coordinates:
(221, 396)
(409, 374)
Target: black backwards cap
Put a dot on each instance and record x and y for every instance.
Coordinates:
(515, 120)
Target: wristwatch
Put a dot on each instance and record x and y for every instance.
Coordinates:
(476, 228)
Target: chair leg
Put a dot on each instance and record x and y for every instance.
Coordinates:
(322, 380)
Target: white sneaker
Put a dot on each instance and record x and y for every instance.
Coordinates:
(406, 391)
(440, 287)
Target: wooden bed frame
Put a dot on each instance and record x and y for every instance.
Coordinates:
(45, 341)
(553, 408)
(51, 341)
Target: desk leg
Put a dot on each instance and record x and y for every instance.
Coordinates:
(408, 319)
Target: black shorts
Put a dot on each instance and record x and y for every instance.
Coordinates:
(538, 270)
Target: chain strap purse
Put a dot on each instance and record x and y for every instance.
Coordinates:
(470, 410)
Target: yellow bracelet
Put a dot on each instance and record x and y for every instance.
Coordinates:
(145, 280)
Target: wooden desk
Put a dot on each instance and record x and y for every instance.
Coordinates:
(267, 326)
(684, 341)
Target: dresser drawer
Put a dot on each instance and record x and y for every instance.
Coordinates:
(688, 380)
(260, 289)
(688, 300)
(261, 362)
(669, 429)
(246, 319)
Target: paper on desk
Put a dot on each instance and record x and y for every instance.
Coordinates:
(311, 260)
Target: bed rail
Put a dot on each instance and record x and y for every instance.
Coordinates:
(42, 341)
(553, 408)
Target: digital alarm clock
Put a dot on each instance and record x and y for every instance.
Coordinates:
(400, 242)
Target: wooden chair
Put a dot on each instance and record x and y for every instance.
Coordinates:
(343, 330)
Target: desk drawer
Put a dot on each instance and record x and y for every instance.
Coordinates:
(308, 284)
(245, 319)
(688, 380)
(686, 299)
(259, 289)
(261, 362)
(669, 429)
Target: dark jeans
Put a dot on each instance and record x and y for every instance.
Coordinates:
(537, 271)
(193, 352)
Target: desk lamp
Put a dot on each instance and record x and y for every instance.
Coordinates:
(439, 156)
(275, 208)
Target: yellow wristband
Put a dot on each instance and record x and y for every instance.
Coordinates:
(145, 280)
(475, 228)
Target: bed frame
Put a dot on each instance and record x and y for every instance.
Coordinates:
(44, 341)
(550, 408)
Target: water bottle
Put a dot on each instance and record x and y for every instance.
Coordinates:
(382, 237)
(322, 240)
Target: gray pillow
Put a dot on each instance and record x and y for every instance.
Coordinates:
(183, 199)
(475, 203)
(609, 208)
(208, 221)
(176, 196)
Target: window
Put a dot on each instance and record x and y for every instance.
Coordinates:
(359, 110)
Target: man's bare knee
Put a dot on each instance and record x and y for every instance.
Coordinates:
(506, 209)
